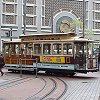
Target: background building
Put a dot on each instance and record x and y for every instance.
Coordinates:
(42, 15)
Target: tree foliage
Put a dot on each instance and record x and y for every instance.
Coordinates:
(79, 24)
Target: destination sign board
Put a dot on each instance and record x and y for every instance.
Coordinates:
(52, 59)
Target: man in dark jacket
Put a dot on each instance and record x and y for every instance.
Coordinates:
(2, 63)
(99, 58)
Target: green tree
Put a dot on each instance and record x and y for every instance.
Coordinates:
(79, 24)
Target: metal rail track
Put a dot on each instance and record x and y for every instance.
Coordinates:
(52, 90)
(36, 96)
(64, 91)
(14, 82)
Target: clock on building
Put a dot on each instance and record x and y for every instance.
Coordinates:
(65, 26)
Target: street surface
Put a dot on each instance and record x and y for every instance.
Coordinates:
(49, 87)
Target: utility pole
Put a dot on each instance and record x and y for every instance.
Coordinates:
(52, 16)
(24, 17)
(83, 18)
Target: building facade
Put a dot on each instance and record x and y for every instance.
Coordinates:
(45, 16)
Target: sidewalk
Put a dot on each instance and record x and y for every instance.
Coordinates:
(84, 87)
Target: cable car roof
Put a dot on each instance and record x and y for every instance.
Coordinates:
(72, 39)
(43, 34)
(14, 41)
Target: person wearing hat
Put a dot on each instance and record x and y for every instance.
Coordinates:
(2, 63)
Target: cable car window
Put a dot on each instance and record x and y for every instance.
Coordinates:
(23, 48)
(37, 48)
(56, 48)
(46, 49)
(17, 48)
(67, 48)
(29, 47)
(6, 48)
(80, 48)
(13, 49)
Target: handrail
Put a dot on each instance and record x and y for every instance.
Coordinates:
(20, 66)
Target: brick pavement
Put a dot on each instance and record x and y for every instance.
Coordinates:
(84, 87)
(80, 87)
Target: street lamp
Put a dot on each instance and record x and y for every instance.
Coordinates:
(11, 34)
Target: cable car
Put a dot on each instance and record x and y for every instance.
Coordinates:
(64, 53)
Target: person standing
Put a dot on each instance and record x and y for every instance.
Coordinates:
(2, 63)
